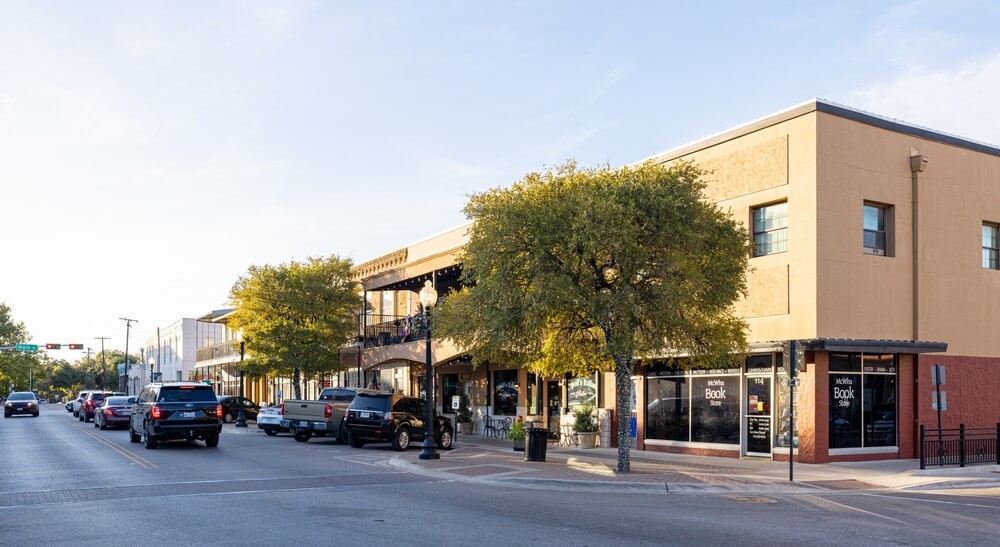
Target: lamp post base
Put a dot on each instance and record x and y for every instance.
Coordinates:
(241, 421)
(428, 450)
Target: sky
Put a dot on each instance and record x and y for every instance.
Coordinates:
(151, 152)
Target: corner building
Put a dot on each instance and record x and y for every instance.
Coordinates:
(876, 249)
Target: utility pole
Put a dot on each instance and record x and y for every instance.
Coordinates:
(128, 327)
(104, 360)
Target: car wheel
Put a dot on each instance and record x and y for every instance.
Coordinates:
(302, 436)
(341, 436)
(227, 417)
(95, 423)
(355, 442)
(148, 441)
(132, 437)
(103, 425)
(212, 440)
(271, 432)
(401, 440)
(444, 441)
(5, 415)
(35, 414)
(80, 416)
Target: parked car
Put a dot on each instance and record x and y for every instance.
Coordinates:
(322, 418)
(20, 402)
(78, 402)
(376, 417)
(69, 405)
(231, 408)
(113, 412)
(90, 404)
(271, 420)
(175, 411)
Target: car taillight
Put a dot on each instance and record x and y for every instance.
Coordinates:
(88, 405)
(327, 411)
(155, 412)
(218, 410)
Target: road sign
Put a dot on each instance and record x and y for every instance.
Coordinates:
(26, 347)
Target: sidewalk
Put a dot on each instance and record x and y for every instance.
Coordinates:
(494, 461)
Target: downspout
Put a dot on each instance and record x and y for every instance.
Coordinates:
(918, 163)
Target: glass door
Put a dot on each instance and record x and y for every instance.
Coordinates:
(758, 416)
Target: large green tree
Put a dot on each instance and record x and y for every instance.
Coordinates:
(17, 368)
(295, 317)
(576, 270)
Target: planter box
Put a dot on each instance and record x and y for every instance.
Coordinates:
(465, 428)
(587, 440)
(518, 445)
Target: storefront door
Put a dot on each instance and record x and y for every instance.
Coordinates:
(757, 431)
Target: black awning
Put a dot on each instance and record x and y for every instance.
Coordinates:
(874, 346)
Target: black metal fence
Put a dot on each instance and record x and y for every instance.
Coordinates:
(959, 446)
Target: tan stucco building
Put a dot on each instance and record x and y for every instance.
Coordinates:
(876, 247)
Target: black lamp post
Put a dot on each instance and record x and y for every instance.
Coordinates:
(241, 421)
(428, 297)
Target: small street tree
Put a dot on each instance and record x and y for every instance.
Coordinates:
(295, 316)
(577, 270)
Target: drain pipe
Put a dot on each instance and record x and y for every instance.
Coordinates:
(918, 163)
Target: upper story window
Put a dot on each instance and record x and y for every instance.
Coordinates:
(991, 246)
(876, 233)
(770, 229)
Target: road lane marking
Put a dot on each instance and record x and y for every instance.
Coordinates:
(135, 458)
(935, 501)
(841, 505)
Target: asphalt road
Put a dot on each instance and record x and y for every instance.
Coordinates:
(66, 483)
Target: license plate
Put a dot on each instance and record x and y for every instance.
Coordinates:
(187, 414)
(125, 412)
(365, 414)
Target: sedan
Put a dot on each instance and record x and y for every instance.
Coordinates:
(20, 402)
(113, 412)
(271, 420)
(231, 408)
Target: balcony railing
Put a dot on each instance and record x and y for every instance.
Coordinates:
(387, 330)
(217, 351)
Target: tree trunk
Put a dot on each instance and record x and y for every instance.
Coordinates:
(297, 383)
(623, 382)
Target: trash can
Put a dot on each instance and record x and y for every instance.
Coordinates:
(536, 440)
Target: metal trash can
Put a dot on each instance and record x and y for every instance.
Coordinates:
(536, 440)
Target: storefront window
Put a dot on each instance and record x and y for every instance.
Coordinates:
(582, 391)
(667, 410)
(862, 400)
(787, 427)
(505, 393)
(534, 396)
(715, 409)
(699, 406)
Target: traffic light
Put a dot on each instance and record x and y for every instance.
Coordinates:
(76, 346)
(53, 346)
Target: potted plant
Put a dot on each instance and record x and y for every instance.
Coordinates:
(517, 433)
(464, 415)
(585, 426)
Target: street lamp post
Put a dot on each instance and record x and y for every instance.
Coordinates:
(241, 421)
(428, 297)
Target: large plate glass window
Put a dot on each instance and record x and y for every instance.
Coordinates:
(862, 398)
(505, 392)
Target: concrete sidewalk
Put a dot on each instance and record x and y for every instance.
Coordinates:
(495, 462)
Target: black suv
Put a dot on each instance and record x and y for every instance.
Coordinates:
(176, 410)
(375, 417)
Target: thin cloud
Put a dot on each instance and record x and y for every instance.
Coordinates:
(960, 101)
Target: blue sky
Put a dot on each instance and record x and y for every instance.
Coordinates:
(151, 152)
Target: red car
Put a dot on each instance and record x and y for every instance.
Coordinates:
(89, 407)
(113, 412)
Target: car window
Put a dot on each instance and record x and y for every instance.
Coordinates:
(365, 401)
(187, 395)
(337, 395)
(116, 401)
(20, 397)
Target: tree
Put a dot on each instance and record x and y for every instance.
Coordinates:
(296, 316)
(577, 270)
(16, 367)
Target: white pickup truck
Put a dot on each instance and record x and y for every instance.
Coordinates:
(322, 418)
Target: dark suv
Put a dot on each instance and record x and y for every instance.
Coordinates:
(375, 417)
(176, 410)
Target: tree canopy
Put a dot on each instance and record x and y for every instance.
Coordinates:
(16, 367)
(295, 317)
(577, 270)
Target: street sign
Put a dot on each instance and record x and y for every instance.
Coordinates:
(26, 347)
(939, 400)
